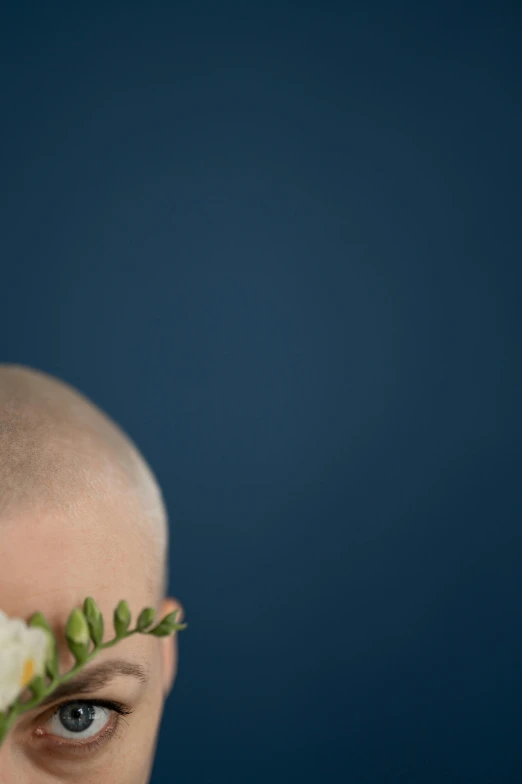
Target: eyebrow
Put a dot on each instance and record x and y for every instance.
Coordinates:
(96, 678)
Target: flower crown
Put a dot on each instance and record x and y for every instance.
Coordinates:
(29, 653)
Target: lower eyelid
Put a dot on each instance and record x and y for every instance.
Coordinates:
(88, 745)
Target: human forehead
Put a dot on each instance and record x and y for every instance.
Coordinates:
(51, 565)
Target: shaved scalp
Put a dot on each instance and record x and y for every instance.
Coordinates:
(59, 452)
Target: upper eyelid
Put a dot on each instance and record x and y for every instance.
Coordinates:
(102, 702)
(84, 700)
(51, 708)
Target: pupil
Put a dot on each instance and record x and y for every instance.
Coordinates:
(77, 716)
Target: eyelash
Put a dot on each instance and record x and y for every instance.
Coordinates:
(106, 734)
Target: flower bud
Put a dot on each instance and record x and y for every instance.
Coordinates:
(146, 618)
(77, 635)
(168, 625)
(94, 620)
(51, 663)
(122, 618)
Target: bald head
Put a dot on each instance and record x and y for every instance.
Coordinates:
(61, 456)
(81, 514)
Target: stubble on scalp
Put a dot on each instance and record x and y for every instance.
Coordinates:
(60, 452)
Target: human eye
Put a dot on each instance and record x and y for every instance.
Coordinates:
(82, 725)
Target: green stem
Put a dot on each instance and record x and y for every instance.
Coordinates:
(17, 708)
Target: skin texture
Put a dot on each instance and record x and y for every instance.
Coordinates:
(72, 525)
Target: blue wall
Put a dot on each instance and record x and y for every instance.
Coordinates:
(280, 243)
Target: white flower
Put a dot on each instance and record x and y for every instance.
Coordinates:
(23, 651)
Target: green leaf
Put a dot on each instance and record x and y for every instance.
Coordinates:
(168, 625)
(37, 686)
(3, 726)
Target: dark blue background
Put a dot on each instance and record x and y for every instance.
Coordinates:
(280, 243)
